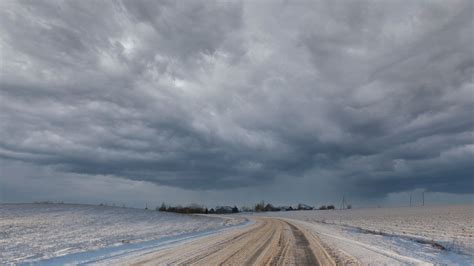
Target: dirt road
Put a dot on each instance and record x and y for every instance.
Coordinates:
(269, 241)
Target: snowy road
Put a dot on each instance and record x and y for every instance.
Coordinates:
(266, 241)
(283, 241)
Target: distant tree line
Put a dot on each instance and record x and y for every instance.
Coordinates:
(48, 202)
(262, 207)
(194, 208)
(329, 207)
(259, 207)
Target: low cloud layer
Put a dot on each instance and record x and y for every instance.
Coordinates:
(368, 97)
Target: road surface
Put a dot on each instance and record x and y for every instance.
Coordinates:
(268, 241)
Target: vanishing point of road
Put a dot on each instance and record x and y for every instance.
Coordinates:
(268, 241)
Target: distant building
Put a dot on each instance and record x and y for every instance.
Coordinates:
(304, 207)
(223, 209)
(270, 208)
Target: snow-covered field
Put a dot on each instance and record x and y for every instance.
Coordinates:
(404, 234)
(33, 232)
(62, 233)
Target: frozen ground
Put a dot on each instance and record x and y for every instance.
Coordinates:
(63, 233)
(33, 232)
(434, 234)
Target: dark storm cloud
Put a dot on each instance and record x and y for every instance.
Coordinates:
(371, 97)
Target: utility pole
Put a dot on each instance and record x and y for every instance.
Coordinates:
(423, 197)
(343, 203)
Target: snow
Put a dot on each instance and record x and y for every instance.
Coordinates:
(62, 233)
(35, 232)
(394, 235)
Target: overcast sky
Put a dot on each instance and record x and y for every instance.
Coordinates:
(229, 101)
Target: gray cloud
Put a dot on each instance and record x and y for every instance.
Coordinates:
(369, 98)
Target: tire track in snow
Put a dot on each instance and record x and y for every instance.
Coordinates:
(357, 244)
(269, 241)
